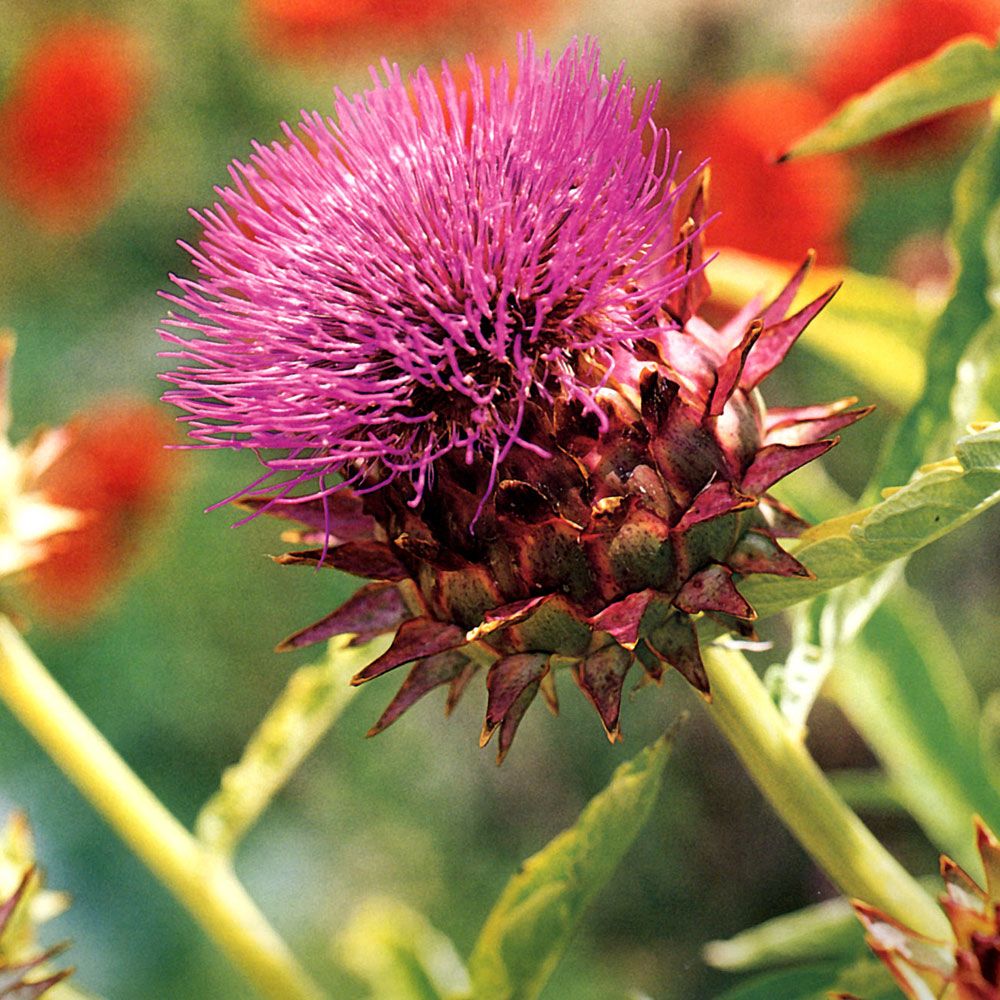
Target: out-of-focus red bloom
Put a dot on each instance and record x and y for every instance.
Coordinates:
(118, 473)
(775, 210)
(304, 28)
(887, 36)
(65, 120)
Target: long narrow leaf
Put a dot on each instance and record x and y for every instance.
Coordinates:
(977, 191)
(941, 498)
(827, 930)
(529, 927)
(866, 978)
(963, 72)
(400, 955)
(903, 688)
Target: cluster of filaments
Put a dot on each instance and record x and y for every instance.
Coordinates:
(382, 289)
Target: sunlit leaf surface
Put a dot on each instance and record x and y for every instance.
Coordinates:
(977, 191)
(397, 952)
(941, 498)
(903, 688)
(874, 328)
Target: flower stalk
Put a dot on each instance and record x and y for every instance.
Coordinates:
(806, 802)
(201, 880)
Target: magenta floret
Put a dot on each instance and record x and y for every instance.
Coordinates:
(381, 289)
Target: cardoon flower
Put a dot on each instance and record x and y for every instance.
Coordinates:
(967, 968)
(461, 331)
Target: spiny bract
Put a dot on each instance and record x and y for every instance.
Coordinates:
(967, 968)
(467, 319)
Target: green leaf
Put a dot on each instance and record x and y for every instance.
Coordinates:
(858, 549)
(869, 320)
(976, 395)
(977, 191)
(940, 498)
(400, 955)
(825, 930)
(977, 392)
(530, 926)
(964, 72)
(867, 978)
(819, 628)
(903, 689)
(810, 983)
(310, 703)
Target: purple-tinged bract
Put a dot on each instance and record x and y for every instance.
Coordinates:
(380, 290)
(464, 333)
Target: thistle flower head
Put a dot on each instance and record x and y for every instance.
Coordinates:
(382, 290)
(480, 313)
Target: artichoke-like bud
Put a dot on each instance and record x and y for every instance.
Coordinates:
(967, 968)
(470, 325)
(23, 905)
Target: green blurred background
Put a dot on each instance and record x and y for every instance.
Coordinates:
(178, 668)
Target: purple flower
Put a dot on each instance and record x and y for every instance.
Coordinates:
(379, 290)
(470, 324)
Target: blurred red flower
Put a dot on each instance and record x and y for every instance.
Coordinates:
(117, 472)
(887, 36)
(775, 210)
(65, 120)
(304, 28)
(301, 27)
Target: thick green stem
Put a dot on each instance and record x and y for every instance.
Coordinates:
(202, 881)
(806, 802)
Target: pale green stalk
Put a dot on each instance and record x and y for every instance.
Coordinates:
(199, 878)
(806, 802)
